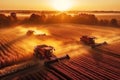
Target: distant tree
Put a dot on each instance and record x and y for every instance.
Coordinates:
(114, 22)
(13, 16)
(34, 18)
(37, 19)
(103, 22)
(85, 19)
(93, 19)
(4, 20)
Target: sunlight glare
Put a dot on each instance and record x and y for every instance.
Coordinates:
(62, 5)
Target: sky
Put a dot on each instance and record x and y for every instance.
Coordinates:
(48, 5)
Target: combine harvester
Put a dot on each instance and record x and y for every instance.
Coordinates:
(41, 53)
(32, 33)
(44, 52)
(90, 41)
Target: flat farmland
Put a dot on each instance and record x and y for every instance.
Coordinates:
(18, 63)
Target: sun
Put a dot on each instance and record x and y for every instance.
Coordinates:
(61, 5)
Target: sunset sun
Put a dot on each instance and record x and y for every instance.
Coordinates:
(61, 5)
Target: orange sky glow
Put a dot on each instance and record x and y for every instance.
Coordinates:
(60, 5)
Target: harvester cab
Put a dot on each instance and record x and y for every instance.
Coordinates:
(44, 52)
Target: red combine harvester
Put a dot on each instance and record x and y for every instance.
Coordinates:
(91, 41)
(44, 52)
(30, 32)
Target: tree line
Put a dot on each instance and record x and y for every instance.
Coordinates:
(82, 18)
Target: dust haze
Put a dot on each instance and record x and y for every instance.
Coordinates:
(65, 38)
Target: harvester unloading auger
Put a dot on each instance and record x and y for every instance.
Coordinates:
(44, 52)
(91, 41)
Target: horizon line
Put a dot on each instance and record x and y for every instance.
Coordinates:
(66, 10)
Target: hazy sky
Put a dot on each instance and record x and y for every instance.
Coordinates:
(47, 5)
